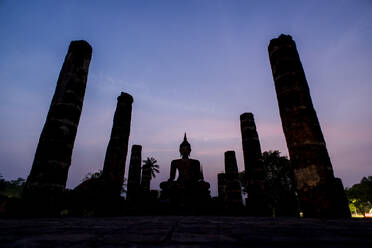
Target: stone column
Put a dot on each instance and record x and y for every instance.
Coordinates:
(146, 178)
(134, 175)
(221, 182)
(231, 166)
(48, 176)
(117, 149)
(231, 178)
(251, 146)
(307, 148)
(254, 168)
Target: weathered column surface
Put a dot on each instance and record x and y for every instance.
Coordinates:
(117, 149)
(231, 166)
(146, 178)
(251, 147)
(221, 184)
(53, 154)
(134, 174)
(307, 148)
(233, 193)
(254, 168)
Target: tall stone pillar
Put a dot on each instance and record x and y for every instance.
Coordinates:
(307, 149)
(117, 149)
(254, 168)
(221, 182)
(233, 193)
(146, 178)
(134, 175)
(48, 176)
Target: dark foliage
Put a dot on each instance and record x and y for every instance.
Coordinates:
(279, 184)
(280, 191)
(360, 196)
(12, 188)
(151, 164)
(93, 175)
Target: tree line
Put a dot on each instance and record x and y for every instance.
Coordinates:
(279, 181)
(12, 188)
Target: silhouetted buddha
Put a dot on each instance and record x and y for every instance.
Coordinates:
(190, 183)
(189, 171)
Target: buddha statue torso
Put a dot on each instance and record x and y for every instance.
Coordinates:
(188, 171)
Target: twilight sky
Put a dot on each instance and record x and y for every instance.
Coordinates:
(191, 66)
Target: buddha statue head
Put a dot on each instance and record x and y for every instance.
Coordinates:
(185, 148)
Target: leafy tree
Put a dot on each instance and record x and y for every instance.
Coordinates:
(280, 192)
(279, 171)
(149, 170)
(98, 174)
(18, 182)
(279, 183)
(150, 163)
(360, 196)
(353, 208)
(93, 175)
(12, 188)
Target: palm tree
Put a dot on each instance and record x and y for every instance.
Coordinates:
(149, 170)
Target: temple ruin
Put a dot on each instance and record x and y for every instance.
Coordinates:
(254, 169)
(229, 187)
(47, 179)
(134, 173)
(146, 178)
(117, 149)
(318, 195)
(189, 192)
(93, 192)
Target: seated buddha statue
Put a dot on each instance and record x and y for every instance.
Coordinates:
(190, 184)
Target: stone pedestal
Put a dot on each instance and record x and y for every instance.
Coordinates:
(254, 168)
(117, 149)
(134, 174)
(48, 176)
(229, 192)
(307, 148)
(233, 193)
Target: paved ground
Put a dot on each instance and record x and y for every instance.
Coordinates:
(174, 231)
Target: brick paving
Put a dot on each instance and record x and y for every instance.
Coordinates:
(186, 231)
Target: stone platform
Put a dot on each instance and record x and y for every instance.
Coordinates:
(188, 231)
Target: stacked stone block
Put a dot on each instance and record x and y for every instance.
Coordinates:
(229, 187)
(134, 174)
(254, 168)
(316, 186)
(117, 149)
(48, 176)
(146, 178)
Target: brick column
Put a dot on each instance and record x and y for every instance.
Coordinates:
(307, 148)
(231, 166)
(48, 176)
(134, 174)
(233, 193)
(117, 149)
(254, 168)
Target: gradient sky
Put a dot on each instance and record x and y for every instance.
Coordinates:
(191, 66)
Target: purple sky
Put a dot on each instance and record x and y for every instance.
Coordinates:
(191, 66)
